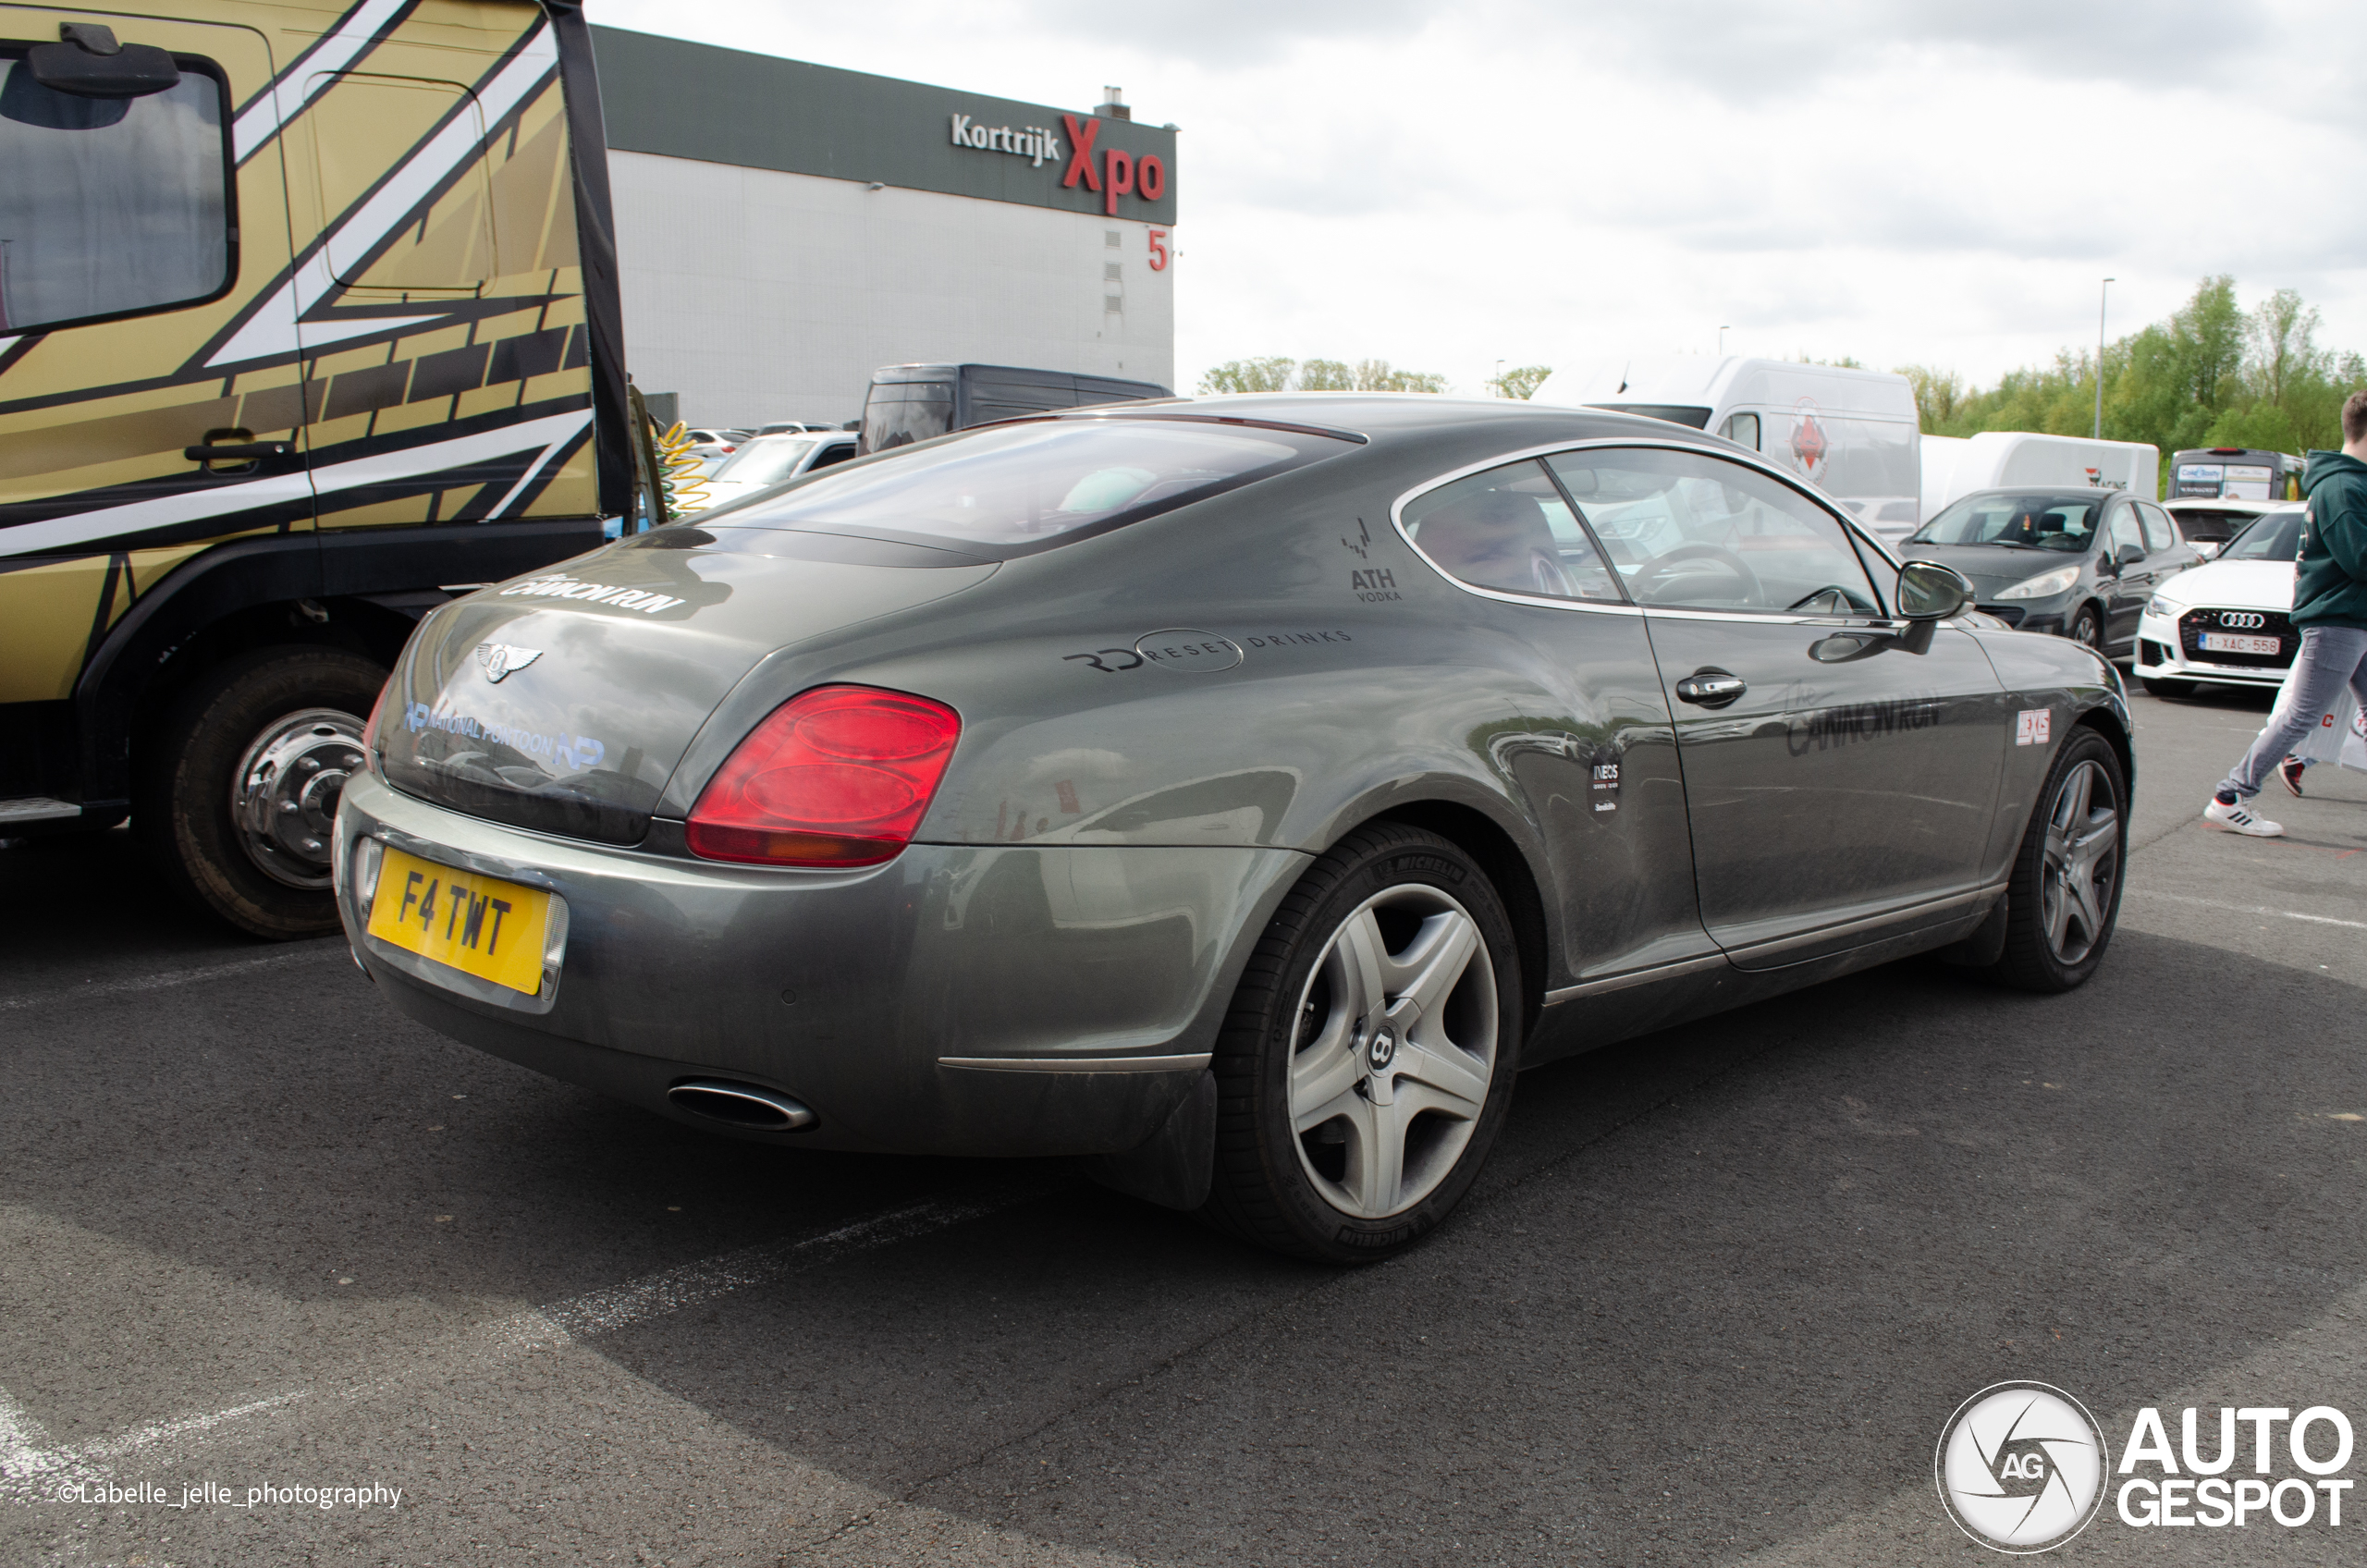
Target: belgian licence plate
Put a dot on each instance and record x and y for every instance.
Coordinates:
(2228, 642)
(481, 926)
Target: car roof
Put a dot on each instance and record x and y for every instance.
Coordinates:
(1380, 416)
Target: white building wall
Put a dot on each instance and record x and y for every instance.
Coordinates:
(758, 295)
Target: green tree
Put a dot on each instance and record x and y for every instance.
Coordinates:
(1937, 395)
(1269, 375)
(1380, 375)
(1522, 382)
(1326, 375)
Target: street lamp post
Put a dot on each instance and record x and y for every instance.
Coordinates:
(2104, 296)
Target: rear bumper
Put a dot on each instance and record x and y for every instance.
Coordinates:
(962, 1000)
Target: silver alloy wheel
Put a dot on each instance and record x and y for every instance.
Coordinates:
(2087, 630)
(2082, 862)
(1395, 1052)
(284, 796)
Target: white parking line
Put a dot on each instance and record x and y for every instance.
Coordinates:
(175, 977)
(2244, 909)
(30, 1468)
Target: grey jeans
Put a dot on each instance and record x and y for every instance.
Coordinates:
(2330, 657)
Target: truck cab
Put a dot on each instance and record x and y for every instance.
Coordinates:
(308, 322)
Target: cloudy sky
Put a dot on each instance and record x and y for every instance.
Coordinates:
(1443, 184)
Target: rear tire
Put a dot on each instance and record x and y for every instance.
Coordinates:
(1367, 1063)
(2064, 900)
(2168, 687)
(278, 729)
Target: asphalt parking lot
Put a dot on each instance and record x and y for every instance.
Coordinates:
(1712, 1302)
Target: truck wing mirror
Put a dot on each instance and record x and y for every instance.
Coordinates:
(89, 62)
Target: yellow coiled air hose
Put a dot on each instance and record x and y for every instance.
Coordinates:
(678, 474)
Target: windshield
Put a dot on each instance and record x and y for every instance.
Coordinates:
(2276, 536)
(765, 461)
(2014, 522)
(1016, 486)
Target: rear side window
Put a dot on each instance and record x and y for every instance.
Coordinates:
(1010, 489)
(1511, 530)
(112, 206)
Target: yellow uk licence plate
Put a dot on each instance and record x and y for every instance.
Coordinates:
(479, 925)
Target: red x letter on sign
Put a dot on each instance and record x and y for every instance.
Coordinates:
(1081, 135)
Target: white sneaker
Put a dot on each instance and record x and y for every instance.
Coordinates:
(2237, 819)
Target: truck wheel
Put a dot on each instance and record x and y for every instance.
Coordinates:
(2064, 898)
(235, 802)
(1368, 1057)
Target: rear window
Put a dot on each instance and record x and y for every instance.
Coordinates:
(766, 461)
(1010, 489)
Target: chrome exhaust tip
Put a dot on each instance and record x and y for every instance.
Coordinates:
(741, 1104)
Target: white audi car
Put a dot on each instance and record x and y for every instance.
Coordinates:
(2226, 621)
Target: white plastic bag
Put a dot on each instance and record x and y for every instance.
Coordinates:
(2338, 735)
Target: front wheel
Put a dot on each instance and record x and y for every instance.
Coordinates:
(2064, 900)
(235, 802)
(2087, 628)
(1368, 1059)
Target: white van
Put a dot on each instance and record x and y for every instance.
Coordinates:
(1853, 434)
(1999, 460)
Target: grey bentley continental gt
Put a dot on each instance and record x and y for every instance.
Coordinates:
(1235, 791)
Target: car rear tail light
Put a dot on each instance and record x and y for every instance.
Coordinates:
(839, 776)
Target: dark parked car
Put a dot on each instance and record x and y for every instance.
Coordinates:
(2079, 563)
(1235, 791)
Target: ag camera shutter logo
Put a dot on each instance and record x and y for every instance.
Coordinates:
(2021, 1467)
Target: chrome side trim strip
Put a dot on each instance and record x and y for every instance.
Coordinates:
(1609, 983)
(1078, 1063)
(1683, 967)
(37, 808)
(1871, 922)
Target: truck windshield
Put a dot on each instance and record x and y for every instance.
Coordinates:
(2012, 521)
(1015, 488)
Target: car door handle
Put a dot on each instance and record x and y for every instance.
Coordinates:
(1710, 688)
(237, 451)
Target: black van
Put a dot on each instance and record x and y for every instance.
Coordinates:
(913, 402)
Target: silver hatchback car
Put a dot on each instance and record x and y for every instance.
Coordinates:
(1235, 792)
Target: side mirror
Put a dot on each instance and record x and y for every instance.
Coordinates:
(1928, 591)
(2128, 555)
(88, 62)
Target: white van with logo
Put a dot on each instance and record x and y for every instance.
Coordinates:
(1853, 434)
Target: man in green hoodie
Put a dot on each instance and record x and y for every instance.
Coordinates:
(2329, 609)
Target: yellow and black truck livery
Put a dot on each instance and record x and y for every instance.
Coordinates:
(309, 320)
